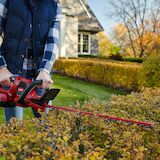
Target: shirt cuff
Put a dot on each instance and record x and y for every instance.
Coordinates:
(46, 66)
(2, 62)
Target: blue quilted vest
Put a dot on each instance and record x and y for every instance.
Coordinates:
(26, 18)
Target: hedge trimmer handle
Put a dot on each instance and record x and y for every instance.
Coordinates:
(30, 87)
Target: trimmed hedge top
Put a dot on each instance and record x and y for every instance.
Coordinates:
(117, 75)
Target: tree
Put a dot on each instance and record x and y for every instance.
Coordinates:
(120, 37)
(104, 44)
(139, 17)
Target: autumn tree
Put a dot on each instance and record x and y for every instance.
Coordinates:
(104, 44)
(141, 19)
(120, 37)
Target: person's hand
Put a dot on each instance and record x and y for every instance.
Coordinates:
(47, 81)
(5, 75)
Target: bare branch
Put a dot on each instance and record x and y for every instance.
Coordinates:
(136, 17)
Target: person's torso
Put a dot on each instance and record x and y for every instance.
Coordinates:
(28, 23)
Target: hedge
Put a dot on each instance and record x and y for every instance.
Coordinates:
(119, 58)
(114, 74)
(70, 136)
(150, 72)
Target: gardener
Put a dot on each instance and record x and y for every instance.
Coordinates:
(30, 30)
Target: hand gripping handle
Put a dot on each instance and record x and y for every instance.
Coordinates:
(28, 89)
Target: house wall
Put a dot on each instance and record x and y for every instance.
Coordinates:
(68, 36)
(94, 43)
(71, 38)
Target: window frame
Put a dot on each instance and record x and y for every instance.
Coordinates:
(81, 43)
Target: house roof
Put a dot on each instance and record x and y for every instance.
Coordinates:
(87, 19)
(85, 8)
(74, 8)
(89, 23)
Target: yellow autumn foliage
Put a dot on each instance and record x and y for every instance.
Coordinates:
(115, 74)
(69, 136)
(104, 44)
(149, 41)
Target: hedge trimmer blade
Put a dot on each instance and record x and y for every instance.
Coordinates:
(146, 124)
(49, 95)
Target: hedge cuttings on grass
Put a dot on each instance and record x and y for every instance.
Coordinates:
(118, 75)
(69, 136)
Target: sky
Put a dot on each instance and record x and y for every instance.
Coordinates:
(101, 8)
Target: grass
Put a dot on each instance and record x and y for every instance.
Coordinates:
(73, 90)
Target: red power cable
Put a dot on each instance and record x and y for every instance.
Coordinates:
(146, 124)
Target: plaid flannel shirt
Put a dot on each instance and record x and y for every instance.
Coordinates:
(51, 46)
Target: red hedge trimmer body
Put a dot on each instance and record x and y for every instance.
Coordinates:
(23, 93)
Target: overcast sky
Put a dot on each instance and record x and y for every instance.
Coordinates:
(101, 8)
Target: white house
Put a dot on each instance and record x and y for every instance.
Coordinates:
(79, 28)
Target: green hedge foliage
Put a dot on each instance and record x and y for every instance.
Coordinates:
(118, 75)
(87, 56)
(150, 72)
(138, 60)
(119, 57)
(70, 136)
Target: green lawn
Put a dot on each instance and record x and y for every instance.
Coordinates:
(73, 90)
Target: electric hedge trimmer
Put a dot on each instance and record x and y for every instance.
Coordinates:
(22, 92)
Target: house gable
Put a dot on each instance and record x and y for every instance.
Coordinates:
(75, 8)
(90, 24)
(87, 20)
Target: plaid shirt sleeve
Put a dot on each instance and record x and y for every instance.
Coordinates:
(3, 19)
(52, 44)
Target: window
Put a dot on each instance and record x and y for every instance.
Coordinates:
(84, 43)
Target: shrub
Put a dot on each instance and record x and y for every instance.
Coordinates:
(87, 56)
(115, 50)
(70, 136)
(138, 60)
(117, 56)
(113, 74)
(115, 53)
(150, 73)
